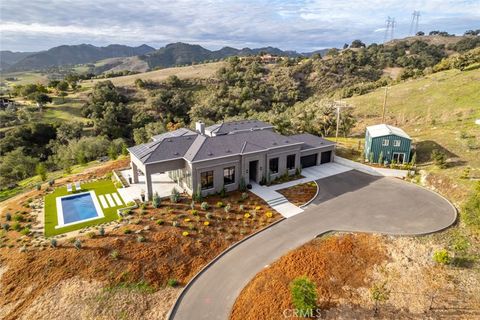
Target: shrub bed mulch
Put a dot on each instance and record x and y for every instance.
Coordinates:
(301, 193)
(123, 256)
(338, 265)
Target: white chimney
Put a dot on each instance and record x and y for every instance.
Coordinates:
(200, 127)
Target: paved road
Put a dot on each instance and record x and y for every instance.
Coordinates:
(351, 201)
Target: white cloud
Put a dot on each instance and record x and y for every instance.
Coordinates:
(295, 24)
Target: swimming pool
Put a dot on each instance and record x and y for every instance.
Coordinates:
(78, 208)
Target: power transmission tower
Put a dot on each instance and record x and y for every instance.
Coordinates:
(414, 23)
(389, 29)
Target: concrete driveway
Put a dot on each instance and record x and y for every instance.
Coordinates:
(350, 201)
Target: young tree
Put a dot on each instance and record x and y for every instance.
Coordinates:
(41, 170)
(304, 295)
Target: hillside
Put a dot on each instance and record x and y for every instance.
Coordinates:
(76, 54)
(438, 111)
(8, 58)
(199, 71)
(183, 53)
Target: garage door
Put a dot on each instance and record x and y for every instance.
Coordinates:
(326, 157)
(308, 161)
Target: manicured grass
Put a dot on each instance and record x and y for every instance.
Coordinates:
(100, 187)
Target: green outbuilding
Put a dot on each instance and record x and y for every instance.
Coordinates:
(385, 143)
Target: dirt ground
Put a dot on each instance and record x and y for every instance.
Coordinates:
(148, 247)
(301, 193)
(346, 267)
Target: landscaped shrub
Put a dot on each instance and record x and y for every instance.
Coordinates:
(379, 293)
(51, 183)
(17, 226)
(205, 206)
(8, 216)
(185, 233)
(191, 226)
(175, 223)
(141, 238)
(174, 196)
(53, 243)
(5, 226)
(77, 244)
(18, 218)
(91, 234)
(242, 186)
(156, 200)
(223, 192)
(172, 283)
(471, 210)
(241, 207)
(220, 204)
(38, 186)
(209, 216)
(127, 231)
(227, 208)
(244, 196)
(25, 231)
(101, 231)
(439, 158)
(197, 196)
(115, 254)
(160, 222)
(441, 256)
(304, 295)
(194, 212)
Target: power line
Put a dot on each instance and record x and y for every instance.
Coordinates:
(389, 29)
(414, 23)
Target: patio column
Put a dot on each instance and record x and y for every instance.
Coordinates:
(148, 184)
(134, 172)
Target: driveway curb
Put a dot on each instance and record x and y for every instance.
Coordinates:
(172, 311)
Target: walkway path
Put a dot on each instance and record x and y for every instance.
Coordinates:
(351, 201)
(276, 200)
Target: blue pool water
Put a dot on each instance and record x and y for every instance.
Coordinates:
(78, 208)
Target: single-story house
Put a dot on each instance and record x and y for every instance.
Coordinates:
(387, 142)
(220, 156)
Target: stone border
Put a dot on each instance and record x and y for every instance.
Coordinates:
(314, 197)
(220, 255)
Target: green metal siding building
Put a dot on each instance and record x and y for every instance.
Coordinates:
(392, 142)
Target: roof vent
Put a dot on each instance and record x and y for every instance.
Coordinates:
(210, 153)
(228, 151)
(176, 153)
(274, 143)
(169, 140)
(189, 138)
(286, 141)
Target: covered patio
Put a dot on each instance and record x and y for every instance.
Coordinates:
(161, 183)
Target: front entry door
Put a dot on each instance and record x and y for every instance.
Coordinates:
(252, 170)
(399, 157)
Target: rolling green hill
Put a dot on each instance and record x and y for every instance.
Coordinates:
(438, 111)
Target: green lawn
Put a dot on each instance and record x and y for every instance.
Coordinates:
(100, 187)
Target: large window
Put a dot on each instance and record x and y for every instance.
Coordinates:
(396, 143)
(291, 162)
(206, 180)
(385, 142)
(273, 165)
(228, 175)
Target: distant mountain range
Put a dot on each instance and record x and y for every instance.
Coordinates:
(70, 55)
(171, 55)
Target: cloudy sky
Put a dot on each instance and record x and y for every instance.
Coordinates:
(302, 25)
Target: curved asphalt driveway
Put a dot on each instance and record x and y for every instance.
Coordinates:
(351, 201)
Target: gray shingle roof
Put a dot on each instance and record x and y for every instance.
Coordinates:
(311, 141)
(193, 147)
(177, 133)
(234, 126)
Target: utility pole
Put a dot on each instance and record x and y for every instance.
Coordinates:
(384, 104)
(387, 29)
(339, 105)
(393, 29)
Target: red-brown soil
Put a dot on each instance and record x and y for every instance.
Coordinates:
(337, 264)
(301, 193)
(166, 253)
